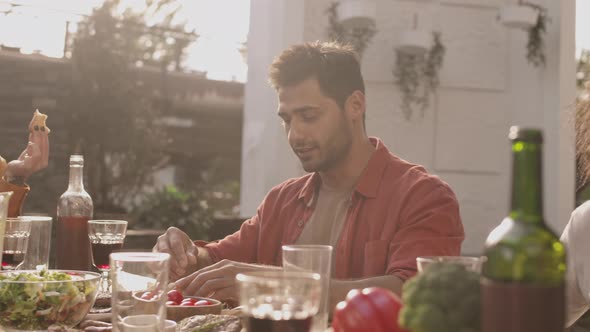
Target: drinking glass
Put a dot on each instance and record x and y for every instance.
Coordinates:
(316, 259)
(4, 199)
(39, 244)
(106, 236)
(16, 236)
(275, 301)
(139, 281)
(470, 263)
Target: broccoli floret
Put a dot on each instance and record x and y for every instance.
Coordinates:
(443, 298)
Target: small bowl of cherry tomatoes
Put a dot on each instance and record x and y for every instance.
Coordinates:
(179, 306)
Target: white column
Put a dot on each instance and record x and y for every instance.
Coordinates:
(558, 97)
(267, 159)
(544, 98)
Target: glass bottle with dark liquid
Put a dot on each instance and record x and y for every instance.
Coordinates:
(523, 277)
(74, 209)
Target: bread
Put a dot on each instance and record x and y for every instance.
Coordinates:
(210, 323)
(38, 122)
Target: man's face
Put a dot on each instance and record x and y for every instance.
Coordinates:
(318, 130)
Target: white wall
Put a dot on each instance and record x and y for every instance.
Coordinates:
(486, 86)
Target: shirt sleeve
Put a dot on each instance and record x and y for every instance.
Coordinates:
(19, 193)
(430, 226)
(240, 246)
(575, 238)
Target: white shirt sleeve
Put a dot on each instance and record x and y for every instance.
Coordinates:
(576, 238)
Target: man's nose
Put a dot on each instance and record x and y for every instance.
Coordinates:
(295, 132)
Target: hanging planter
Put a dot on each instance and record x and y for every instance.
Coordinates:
(357, 30)
(416, 74)
(519, 16)
(414, 42)
(355, 14)
(533, 19)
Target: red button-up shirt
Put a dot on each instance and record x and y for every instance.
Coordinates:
(398, 212)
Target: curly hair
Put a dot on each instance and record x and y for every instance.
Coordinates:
(336, 66)
(582, 126)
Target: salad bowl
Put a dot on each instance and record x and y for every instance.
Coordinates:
(39, 300)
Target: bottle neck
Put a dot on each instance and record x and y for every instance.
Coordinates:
(527, 190)
(76, 183)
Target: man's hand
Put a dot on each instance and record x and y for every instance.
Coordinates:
(183, 252)
(34, 157)
(218, 281)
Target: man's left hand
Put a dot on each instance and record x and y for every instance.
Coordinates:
(218, 281)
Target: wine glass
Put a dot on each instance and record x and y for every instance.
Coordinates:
(106, 236)
(16, 236)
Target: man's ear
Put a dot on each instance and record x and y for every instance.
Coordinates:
(355, 105)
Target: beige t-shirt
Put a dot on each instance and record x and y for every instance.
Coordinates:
(326, 222)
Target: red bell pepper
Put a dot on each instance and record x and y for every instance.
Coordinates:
(371, 310)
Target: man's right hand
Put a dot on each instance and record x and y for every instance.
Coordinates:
(183, 252)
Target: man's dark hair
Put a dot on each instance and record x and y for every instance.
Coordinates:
(335, 66)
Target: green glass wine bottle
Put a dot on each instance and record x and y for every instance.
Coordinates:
(523, 275)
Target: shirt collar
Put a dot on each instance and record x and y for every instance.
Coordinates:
(368, 183)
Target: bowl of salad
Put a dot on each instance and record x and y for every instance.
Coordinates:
(38, 300)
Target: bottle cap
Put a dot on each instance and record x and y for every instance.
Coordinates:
(531, 135)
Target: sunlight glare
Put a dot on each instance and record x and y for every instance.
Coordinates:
(222, 26)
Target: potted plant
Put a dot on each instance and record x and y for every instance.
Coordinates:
(357, 28)
(533, 19)
(414, 41)
(521, 16)
(416, 75)
(357, 13)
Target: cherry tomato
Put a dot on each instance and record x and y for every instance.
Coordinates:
(175, 296)
(202, 302)
(147, 296)
(372, 309)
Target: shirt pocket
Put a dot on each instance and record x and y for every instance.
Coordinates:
(375, 262)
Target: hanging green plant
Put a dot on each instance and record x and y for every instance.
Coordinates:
(416, 76)
(536, 45)
(358, 37)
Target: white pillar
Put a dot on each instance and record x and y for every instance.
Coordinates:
(267, 159)
(558, 97)
(544, 98)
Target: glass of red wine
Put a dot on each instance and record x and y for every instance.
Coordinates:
(16, 237)
(275, 301)
(106, 237)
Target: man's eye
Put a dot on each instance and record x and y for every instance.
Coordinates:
(309, 118)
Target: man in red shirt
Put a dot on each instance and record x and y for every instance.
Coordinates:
(377, 211)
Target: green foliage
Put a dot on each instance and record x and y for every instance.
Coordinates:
(443, 298)
(187, 210)
(583, 69)
(359, 38)
(417, 76)
(536, 45)
(111, 110)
